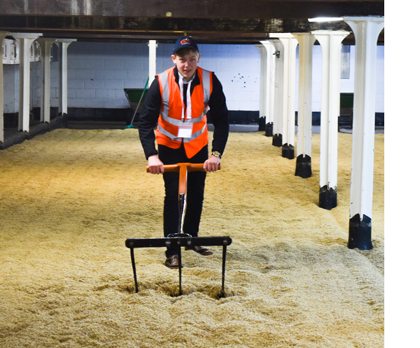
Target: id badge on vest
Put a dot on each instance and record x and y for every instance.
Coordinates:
(185, 130)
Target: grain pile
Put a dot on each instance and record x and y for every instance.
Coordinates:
(70, 198)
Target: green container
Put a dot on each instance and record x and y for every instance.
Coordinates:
(346, 100)
(133, 96)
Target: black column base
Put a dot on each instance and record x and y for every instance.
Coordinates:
(58, 122)
(261, 123)
(277, 140)
(40, 128)
(303, 166)
(288, 151)
(327, 198)
(269, 129)
(360, 233)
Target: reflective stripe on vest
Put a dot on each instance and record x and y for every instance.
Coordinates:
(165, 100)
(186, 140)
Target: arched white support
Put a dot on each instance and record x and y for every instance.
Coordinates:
(46, 44)
(263, 83)
(63, 45)
(25, 41)
(366, 31)
(3, 34)
(269, 86)
(304, 145)
(330, 110)
(152, 60)
(286, 96)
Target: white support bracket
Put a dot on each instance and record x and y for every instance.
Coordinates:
(152, 60)
(330, 42)
(366, 31)
(3, 34)
(25, 41)
(46, 44)
(304, 143)
(263, 83)
(270, 73)
(277, 93)
(63, 45)
(286, 92)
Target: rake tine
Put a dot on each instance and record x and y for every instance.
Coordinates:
(133, 262)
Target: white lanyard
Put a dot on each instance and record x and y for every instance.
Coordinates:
(181, 87)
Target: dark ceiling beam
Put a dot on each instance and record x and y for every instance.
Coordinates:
(166, 29)
(210, 21)
(179, 25)
(224, 9)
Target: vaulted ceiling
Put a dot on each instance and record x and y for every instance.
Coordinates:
(209, 21)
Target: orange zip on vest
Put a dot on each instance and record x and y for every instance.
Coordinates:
(171, 113)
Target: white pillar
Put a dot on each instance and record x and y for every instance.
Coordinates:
(366, 31)
(263, 78)
(152, 60)
(3, 34)
(277, 93)
(25, 41)
(330, 110)
(304, 146)
(46, 78)
(269, 86)
(286, 94)
(63, 45)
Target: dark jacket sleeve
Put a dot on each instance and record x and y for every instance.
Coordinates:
(219, 116)
(148, 118)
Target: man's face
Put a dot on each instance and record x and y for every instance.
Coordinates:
(186, 65)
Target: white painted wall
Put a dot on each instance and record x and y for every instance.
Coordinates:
(238, 69)
(11, 88)
(347, 85)
(98, 72)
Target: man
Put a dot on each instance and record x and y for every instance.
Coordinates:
(177, 101)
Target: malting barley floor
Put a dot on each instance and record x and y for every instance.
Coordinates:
(70, 198)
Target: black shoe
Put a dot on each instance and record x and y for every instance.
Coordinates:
(200, 250)
(172, 261)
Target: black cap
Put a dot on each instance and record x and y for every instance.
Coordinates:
(185, 42)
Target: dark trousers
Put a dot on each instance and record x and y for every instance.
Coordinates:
(195, 192)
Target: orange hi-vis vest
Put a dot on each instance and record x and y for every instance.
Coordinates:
(171, 112)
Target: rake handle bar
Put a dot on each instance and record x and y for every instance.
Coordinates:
(182, 168)
(192, 167)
